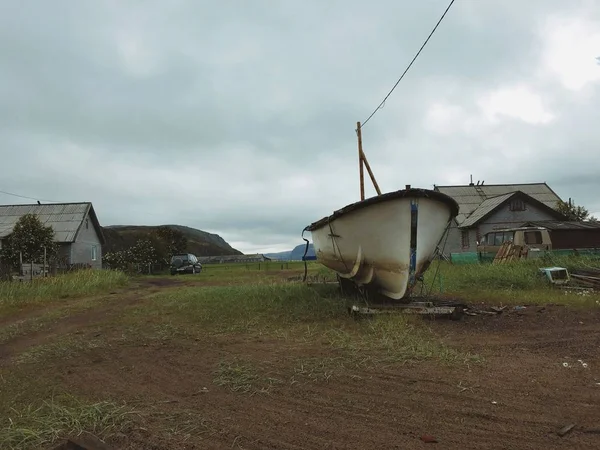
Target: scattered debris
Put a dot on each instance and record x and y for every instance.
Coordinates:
(494, 402)
(556, 275)
(580, 361)
(586, 278)
(565, 430)
(428, 439)
(204, 390)
(86, 441)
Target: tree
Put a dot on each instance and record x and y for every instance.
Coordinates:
(155, 247)
(173, 239)
(29, 238)
(574, 212)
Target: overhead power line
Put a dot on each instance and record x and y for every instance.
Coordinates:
(28, 198)
(411, 63)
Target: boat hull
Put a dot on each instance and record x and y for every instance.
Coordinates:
(386, 242)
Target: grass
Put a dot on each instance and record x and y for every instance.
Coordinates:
(60, 349)
(242, 376)
(39, 425)
(16, 295)
(257, 273)
(295, 313)
(518, 282)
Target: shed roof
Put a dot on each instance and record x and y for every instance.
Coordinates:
(470, 197)
(64, 218)
(564, 225)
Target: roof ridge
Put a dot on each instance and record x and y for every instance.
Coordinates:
(497, 184)
(47, 204)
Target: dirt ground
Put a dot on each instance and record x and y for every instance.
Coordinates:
(519, 397)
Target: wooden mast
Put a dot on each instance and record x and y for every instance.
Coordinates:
(362, 160)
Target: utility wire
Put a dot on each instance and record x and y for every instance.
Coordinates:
(28, 198)
(408, 67)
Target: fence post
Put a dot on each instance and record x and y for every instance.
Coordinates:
(44, 267)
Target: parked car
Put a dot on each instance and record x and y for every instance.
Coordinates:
(185, 263)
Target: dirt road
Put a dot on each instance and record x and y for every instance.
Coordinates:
(539, 372)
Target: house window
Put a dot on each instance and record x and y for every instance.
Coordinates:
(94, 253)
(498, 238)
(464, 236)
(517, 205)
(533, 237)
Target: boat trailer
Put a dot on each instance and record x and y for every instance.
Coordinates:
(427, 308)
(377, 304)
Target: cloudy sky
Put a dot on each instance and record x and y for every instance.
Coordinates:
(238, 117)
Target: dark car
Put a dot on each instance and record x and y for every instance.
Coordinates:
(185, 263)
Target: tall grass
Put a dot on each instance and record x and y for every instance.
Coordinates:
(14, 295)
(513, 282)
(43, 424)
(238, 308)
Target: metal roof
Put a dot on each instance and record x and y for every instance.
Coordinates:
(65, 218)
(470, 197)
(487, 206)
(564, 225)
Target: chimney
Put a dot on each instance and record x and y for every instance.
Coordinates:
(407, 186)
(471, 183)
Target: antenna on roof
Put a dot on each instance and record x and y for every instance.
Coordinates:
(482, 182)
(477, 182)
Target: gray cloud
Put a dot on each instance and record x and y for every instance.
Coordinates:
(239, 118)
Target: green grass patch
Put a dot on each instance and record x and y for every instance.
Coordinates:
(16, 295)
(298, 313)
(393, 339)
(260, 307)
(518, 282)
(63, 348)
(243, 377)
(43, 423)
(256, 273)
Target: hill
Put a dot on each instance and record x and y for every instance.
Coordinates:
(293, 255)
(200, 243)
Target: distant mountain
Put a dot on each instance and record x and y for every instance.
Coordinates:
(282, 256)
(294, 255)
(200, 243)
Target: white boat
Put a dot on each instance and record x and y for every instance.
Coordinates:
(384, 243)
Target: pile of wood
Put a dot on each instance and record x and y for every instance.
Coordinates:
(509, 252)
(586, 278)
